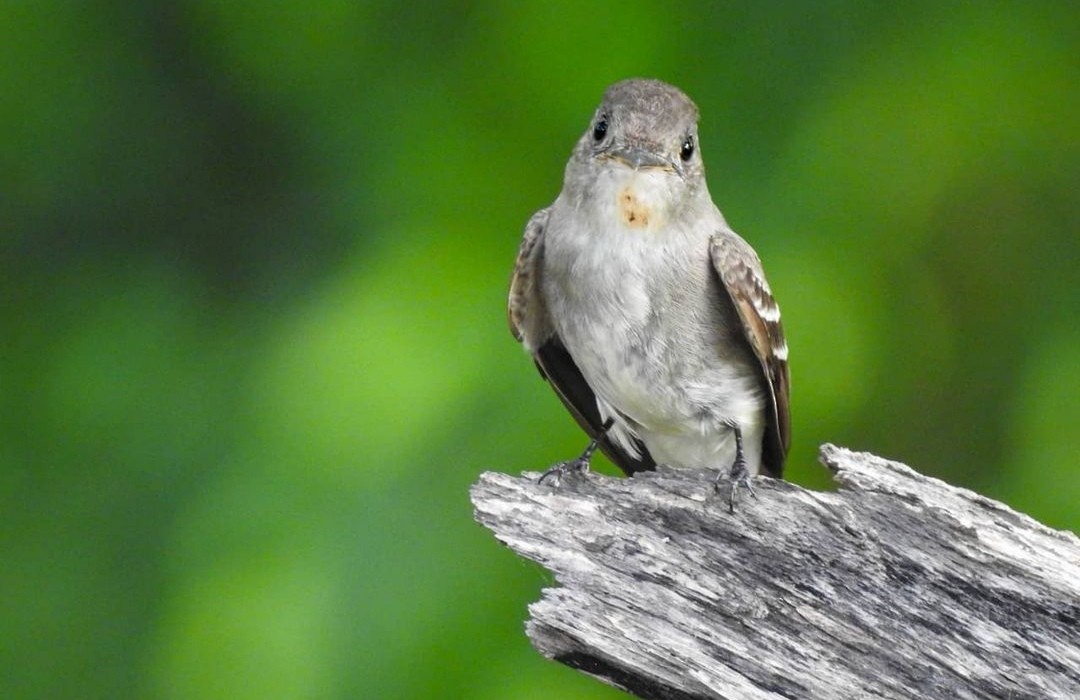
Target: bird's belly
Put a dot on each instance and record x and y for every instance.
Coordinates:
(665, 382)
(684, 418)
(711, 449)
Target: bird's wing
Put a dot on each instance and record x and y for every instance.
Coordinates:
(743, 279)
(525, 308)
(531, 325)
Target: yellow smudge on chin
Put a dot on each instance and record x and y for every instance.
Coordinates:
(634, 212)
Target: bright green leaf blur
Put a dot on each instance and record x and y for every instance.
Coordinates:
(254, 263)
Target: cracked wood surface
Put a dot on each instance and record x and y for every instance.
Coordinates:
(897, 585)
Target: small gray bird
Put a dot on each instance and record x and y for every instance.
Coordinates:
(648, 315)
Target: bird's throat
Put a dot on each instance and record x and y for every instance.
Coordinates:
(634, 212)
(641, 200)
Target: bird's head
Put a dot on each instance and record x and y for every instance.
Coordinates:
(640, 154)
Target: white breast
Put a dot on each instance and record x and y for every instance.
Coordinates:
(635, 305)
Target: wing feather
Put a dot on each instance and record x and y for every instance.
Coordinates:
(743, 279)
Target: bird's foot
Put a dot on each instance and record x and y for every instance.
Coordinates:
(578, 465)
(737, 476)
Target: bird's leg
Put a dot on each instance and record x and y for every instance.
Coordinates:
(581, 463)
(738, 475)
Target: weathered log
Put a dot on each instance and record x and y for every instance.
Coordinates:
(897, 585)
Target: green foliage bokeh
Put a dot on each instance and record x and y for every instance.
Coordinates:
(254, 262)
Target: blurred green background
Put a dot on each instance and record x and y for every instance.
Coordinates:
(254, 263)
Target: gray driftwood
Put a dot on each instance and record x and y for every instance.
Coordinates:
(895, 586)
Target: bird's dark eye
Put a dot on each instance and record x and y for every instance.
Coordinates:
(687, 150)
(600, 130)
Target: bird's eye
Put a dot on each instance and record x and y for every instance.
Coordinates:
(687, 150)
(600, 130)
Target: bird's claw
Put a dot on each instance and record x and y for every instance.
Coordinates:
(581, 463)
(578, 465)
(738, 476)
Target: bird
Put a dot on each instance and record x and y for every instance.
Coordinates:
(649, 316)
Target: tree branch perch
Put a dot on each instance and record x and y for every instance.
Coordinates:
(895, 586)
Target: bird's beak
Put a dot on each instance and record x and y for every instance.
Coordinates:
(638, 158)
